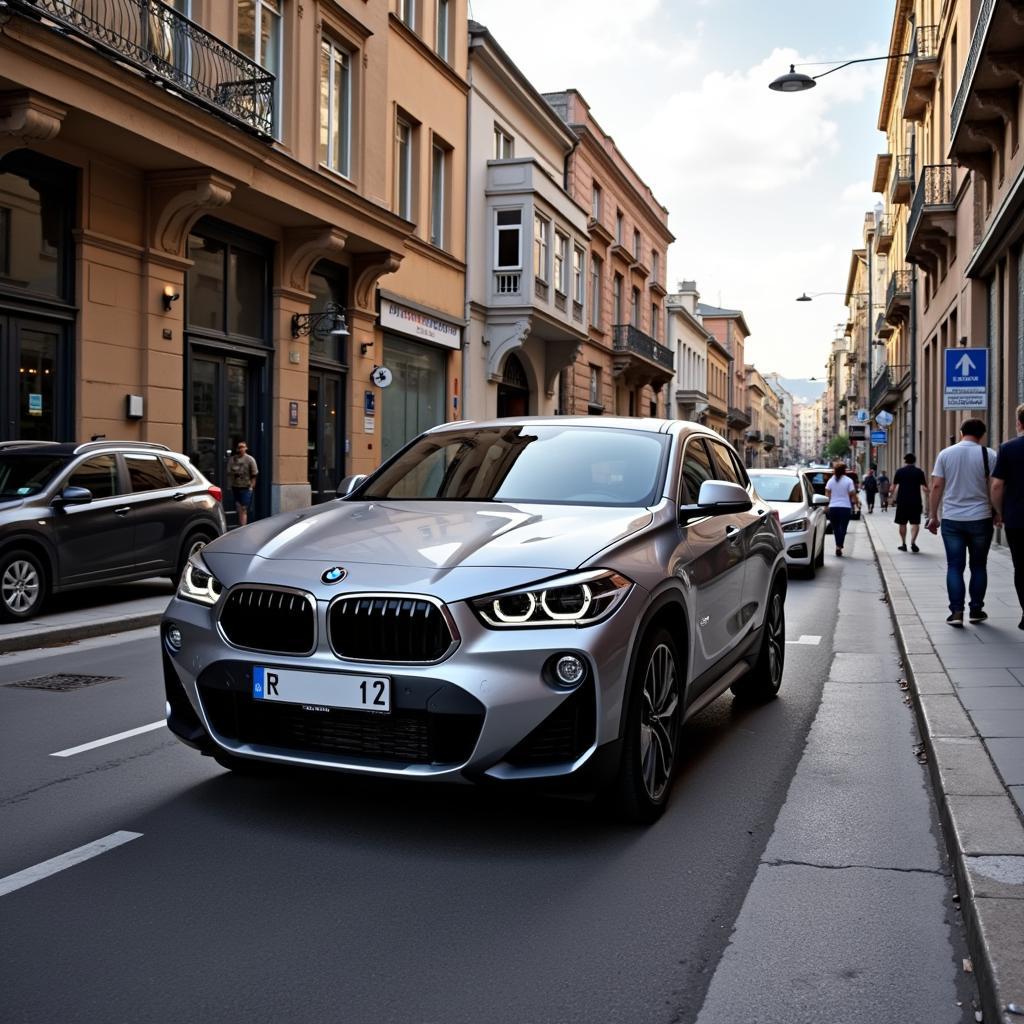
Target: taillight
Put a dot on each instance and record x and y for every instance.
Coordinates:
(219, 494)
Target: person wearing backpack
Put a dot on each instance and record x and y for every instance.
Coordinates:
(961, 506)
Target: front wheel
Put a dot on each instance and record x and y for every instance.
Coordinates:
(762, 682)
(641, 791)
(23, 586)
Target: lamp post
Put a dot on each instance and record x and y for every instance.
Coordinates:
(796, 81)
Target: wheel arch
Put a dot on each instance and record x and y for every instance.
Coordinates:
(39, 547)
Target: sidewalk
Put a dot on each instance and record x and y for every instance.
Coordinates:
(95, 611)
(969, 699)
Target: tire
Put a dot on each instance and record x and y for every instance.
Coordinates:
(819, 558)
(762, 682)
(24, 585)
(651, 741)
(194, 542)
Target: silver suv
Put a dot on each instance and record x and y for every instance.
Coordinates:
(528, 599)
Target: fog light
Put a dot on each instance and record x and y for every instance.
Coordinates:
(569, 670)
(173, 637)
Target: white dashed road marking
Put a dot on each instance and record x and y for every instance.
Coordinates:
(808, 641)
(110, 739)
(65, 860)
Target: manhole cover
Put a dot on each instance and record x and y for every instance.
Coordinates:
(63, 681)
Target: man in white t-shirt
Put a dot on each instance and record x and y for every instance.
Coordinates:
(960, 489)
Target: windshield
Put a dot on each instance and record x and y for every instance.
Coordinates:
(536, 464)
(778, 488)
(21, 476)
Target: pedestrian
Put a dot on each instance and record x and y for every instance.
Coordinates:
(909, 489)
(1007, 493)
(884, 485)
(842, 500)
(870, 486)
(242, 474)
(960, 502)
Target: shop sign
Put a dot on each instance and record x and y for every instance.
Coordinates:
(396, 317)
(35, 404)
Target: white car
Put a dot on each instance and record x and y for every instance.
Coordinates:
(801, 511)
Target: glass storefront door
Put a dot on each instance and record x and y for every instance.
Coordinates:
(325, 457)
(33, 406)
(415, 400)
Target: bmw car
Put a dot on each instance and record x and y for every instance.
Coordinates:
(802, 513)
(520, 600)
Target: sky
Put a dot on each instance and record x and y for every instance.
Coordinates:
(766, 191)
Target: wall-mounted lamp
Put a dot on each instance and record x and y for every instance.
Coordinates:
(307, 323)
(364, 347)
(169, 296)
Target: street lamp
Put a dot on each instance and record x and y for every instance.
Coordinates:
(807, 298)
(796, 81)
(306, 323)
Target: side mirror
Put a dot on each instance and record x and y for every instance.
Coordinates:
(73, 496)
(717, 498)
(348, 484)
(819, 499)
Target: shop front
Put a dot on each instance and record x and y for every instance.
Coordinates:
(420, 349)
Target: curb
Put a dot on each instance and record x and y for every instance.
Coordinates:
(982, 829)
(55, 636)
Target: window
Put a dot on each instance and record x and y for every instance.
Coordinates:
(617, 300)
(728, 466)
(407, 12)
(335, 107)
(618, 227)
(403, 168)
(595, 201)
(634, 313)
(654, 323)
(540, 247)
(179, 474)
(561, 263)
(508, 240)
(443, 33)
(595, 290)
(146, 473)
(438, 204)
(655, 263)
(259, 37)
(594, 397)
(99, 474)
(504, 144)
(696, 470)
(577, 275)
(636, 244)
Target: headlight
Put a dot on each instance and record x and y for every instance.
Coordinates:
(577, 600)
(198, 583)
(797, 526)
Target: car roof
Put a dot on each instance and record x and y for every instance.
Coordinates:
(67, 449)
(648, 424)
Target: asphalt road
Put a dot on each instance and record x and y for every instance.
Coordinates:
(321, 898)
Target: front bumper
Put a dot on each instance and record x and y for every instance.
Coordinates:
(486, 712)
(799, 547)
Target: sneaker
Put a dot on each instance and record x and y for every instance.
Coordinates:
(839, 552)
(914, 548)
(902, 547)
(956, 618)
(978, 616)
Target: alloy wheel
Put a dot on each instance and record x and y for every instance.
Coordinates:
(657, 722)
(776, 637)
(195, 547)
(19, 587)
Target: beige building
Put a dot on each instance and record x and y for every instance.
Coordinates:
(688, 339)
(719, 378)
(177, 197)
(729, 328)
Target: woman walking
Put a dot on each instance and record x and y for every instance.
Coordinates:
(870, 485)
(842, 500)
(884, 486)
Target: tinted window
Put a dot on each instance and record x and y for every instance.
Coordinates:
(543, 464)
(728, 468)
(146, 473)
(778, 488)
(99, 474)
(25, 475)
(696, 469)
(179, 474)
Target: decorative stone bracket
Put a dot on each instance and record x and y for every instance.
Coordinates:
(305, 247)
(503, 339)
(26, 118)
(367, 269)
(177, 199)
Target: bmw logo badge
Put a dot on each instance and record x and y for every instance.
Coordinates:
(334, 575)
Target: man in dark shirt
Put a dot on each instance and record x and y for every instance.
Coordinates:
(909, 486)
(1007, 492)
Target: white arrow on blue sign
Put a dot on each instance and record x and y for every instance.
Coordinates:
(966, 378)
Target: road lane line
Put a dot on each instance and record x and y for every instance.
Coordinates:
(65, 860)
(806, 640)
(110, 739)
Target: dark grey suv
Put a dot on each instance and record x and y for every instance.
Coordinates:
(76, 515)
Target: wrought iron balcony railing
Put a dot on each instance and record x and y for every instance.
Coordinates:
(738, 417)
(981, 25)
(923, 53)
(902, 178)
(170, 48)
(898, 290)
(935, 189)
(627, 338)
(769, 440)
(886, 386)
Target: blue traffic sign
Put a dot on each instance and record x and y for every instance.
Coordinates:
(879, 436)
(966, 378)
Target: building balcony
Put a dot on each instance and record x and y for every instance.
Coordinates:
(768, 442)
(883, 235)
(985, 106)
(897, 298)
(167, 48)
(753, 436)
(932, 220)
(639, 359)
(887, 388)
(883, 164)
(598, 230)
(920, 71)
(690, 396)
(902, 179)
(738, 417)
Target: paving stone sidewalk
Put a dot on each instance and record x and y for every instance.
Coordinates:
(968, 687)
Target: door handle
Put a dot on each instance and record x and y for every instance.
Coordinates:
(179, 496)
(732, 532)
(123, 510)
(762, 512)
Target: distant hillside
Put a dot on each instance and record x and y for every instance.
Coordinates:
(803, 390)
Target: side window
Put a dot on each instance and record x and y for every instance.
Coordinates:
(728, 465)
(179, 474)
(99, 474)
(696, 469)
(146, 473)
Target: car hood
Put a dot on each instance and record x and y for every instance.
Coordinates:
(437, 535)
(790, 510)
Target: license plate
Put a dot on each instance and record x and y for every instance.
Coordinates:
(321, 691)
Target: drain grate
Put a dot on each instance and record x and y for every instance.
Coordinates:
(63, 681)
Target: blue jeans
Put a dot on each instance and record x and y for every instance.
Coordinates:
(966, 539)
(840, 519)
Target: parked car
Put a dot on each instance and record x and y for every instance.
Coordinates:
(75, 515)
(802, 513)
(521, 599)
